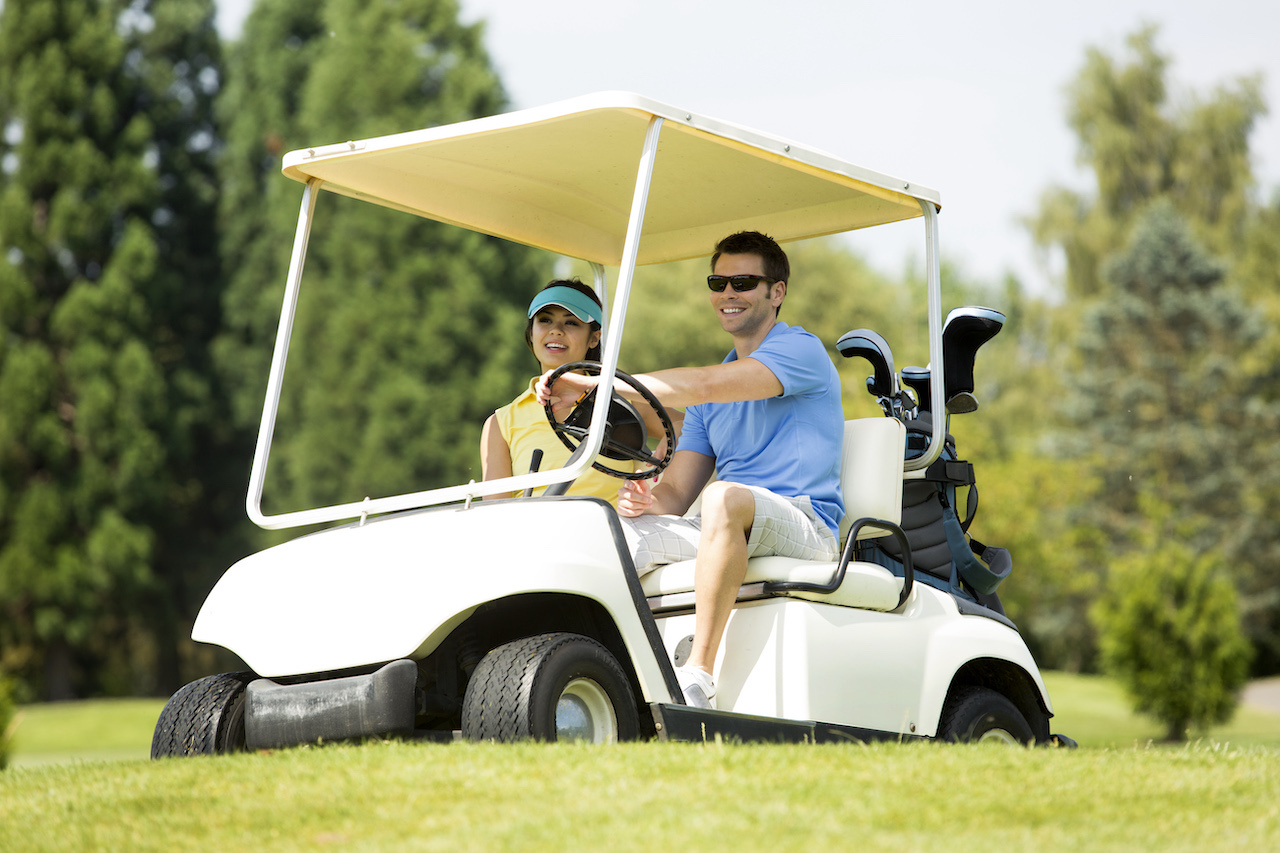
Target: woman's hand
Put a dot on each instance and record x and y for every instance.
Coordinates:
(568, 391)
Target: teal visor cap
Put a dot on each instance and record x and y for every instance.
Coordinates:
(582, 306)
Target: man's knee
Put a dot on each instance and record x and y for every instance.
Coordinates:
(728, 503)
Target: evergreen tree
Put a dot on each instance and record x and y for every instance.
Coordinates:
(107, 302)
(1161, 407)
(409, 332)
(1155, 397)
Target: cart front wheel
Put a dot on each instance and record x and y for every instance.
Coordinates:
(552, 687)
(206, 717)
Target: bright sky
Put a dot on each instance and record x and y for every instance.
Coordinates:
(967, 98)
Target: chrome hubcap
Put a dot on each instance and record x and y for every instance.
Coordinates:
(585, 713)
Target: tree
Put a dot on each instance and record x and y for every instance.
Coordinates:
(6, 718)
(107, 301)
(1144, 352)
(1170, 631)
(1160, 407)
(1155, 394)
(1141, 147)
(409, 332)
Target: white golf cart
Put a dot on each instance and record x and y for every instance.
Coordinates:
(431, 615)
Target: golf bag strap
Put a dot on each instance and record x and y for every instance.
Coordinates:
(970, 507)
(952, 473)
(955, 472)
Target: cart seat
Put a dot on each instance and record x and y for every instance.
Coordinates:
(871, 483)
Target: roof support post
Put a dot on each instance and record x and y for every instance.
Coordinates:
(933, 274)
(271, 405)
(612, 341)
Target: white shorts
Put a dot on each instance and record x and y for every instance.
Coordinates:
(783, 527)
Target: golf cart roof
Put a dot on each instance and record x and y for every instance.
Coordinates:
(613, 179)
(562, 178)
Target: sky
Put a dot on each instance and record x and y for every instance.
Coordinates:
(968, 98)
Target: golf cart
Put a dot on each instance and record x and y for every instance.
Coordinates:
(370, 627)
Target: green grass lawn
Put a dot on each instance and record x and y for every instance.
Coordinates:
(80, 780)
(1095, 711)
(655, 796)
(98, 730)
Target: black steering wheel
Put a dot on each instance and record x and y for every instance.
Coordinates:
(625, 435)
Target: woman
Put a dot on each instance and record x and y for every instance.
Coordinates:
(564, 326)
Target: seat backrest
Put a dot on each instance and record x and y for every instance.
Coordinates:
(871, 473)
(871, 457)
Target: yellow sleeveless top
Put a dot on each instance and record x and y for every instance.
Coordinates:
(524, 427)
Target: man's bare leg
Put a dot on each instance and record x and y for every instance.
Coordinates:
(728, 511)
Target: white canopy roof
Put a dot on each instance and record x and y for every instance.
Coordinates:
(570, 178)
(562, 178)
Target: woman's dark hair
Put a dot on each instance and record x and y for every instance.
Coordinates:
(593, 353)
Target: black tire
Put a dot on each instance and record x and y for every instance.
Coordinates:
(979, 714)
(206, 717)
(550, 687)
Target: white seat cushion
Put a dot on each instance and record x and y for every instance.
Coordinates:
(865, 585)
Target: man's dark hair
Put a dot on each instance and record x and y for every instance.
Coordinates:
(593, 354)
(776, 265)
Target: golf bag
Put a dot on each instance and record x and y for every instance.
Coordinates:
(936, 527)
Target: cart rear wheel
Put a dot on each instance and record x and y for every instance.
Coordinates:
(553, 687)
(205, 717)
(981, 715)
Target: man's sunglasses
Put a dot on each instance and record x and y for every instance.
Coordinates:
(741, 283)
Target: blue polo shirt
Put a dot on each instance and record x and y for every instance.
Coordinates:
(789, 444)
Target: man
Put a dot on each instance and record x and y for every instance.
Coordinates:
(768, 422)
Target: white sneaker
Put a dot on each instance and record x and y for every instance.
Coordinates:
(698, 686)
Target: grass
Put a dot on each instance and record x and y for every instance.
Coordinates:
(1095, 711)
(98, 730)
(81, 768)
(655, 796)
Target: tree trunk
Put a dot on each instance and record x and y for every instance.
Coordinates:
(58, 682)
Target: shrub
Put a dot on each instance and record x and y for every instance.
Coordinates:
(1169, 630)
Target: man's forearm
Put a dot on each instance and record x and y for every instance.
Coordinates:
(745, 379)
(666, 502)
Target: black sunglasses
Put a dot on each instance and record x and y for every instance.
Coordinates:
(741, 283)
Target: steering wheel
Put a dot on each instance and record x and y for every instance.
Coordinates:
(625, 435)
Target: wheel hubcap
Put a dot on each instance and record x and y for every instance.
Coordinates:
(585, 713)
(999, 736)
